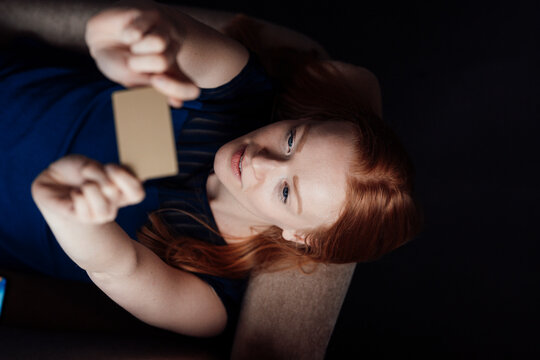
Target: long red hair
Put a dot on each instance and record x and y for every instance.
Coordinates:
(380, 213)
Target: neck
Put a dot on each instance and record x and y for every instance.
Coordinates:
(234, 222)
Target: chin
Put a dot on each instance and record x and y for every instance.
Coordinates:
(222, 165)
(220, 159)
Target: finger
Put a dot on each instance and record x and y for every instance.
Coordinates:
(95, 171)
(80, 206)
(67, 170)
(100, 208)
(154, 63)
(140, 25)
(176, 103)
(48, 192)
(111, 21)
(115, 61)
(130, 187)
(154, 42)
(173, 88)
(112, 193)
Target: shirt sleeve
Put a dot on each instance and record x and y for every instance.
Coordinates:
(231, 293)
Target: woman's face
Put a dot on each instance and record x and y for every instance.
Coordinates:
(291, 174)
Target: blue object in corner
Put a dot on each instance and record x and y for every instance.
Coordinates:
(2, 291)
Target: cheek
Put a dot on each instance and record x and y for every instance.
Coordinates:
(219, 158)
(217, 161)
(255, 200)
(260, 205)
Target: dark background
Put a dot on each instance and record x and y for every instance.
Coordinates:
(460, 85)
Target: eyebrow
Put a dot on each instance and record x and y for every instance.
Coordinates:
(298, 199)
(299, 146)
(303, 139)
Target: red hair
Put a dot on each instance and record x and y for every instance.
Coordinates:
(380, 213)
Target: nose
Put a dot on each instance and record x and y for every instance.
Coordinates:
(263, 163)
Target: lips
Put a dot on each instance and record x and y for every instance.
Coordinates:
(235, 162)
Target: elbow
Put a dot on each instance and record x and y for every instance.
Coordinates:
(117, 267)
(205, 329)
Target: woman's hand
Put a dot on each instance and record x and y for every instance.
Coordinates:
(83, 190)
(137, 44)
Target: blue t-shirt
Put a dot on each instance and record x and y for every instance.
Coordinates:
(54, 102)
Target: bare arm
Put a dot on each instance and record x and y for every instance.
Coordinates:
(192, 52)
(60, 23)
(79, 199)
(63, 22)
(271, 34)
(138, 42)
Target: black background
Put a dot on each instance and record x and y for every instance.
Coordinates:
(460, 85)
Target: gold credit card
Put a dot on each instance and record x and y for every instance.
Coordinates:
(144, 133)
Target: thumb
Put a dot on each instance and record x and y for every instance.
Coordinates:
(112, 62)
(131, 188)
(110, 22)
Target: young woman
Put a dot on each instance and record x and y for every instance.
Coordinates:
(272, 174)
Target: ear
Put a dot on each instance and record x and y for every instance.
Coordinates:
(293, 235)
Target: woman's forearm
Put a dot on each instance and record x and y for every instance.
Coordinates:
(60, 23)
(79, 199)
(63, 23)
(104, 248)
(271, 35)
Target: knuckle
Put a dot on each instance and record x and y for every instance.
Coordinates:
(110, 168)
(105, 218)
(137, 195)
(91, 191)
(111, 191)
(141, 194)
(85, 188)
(91, 167)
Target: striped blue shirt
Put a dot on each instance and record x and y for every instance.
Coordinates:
(54, 103)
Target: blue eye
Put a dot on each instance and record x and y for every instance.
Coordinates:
(290, 140)
(285, 193)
